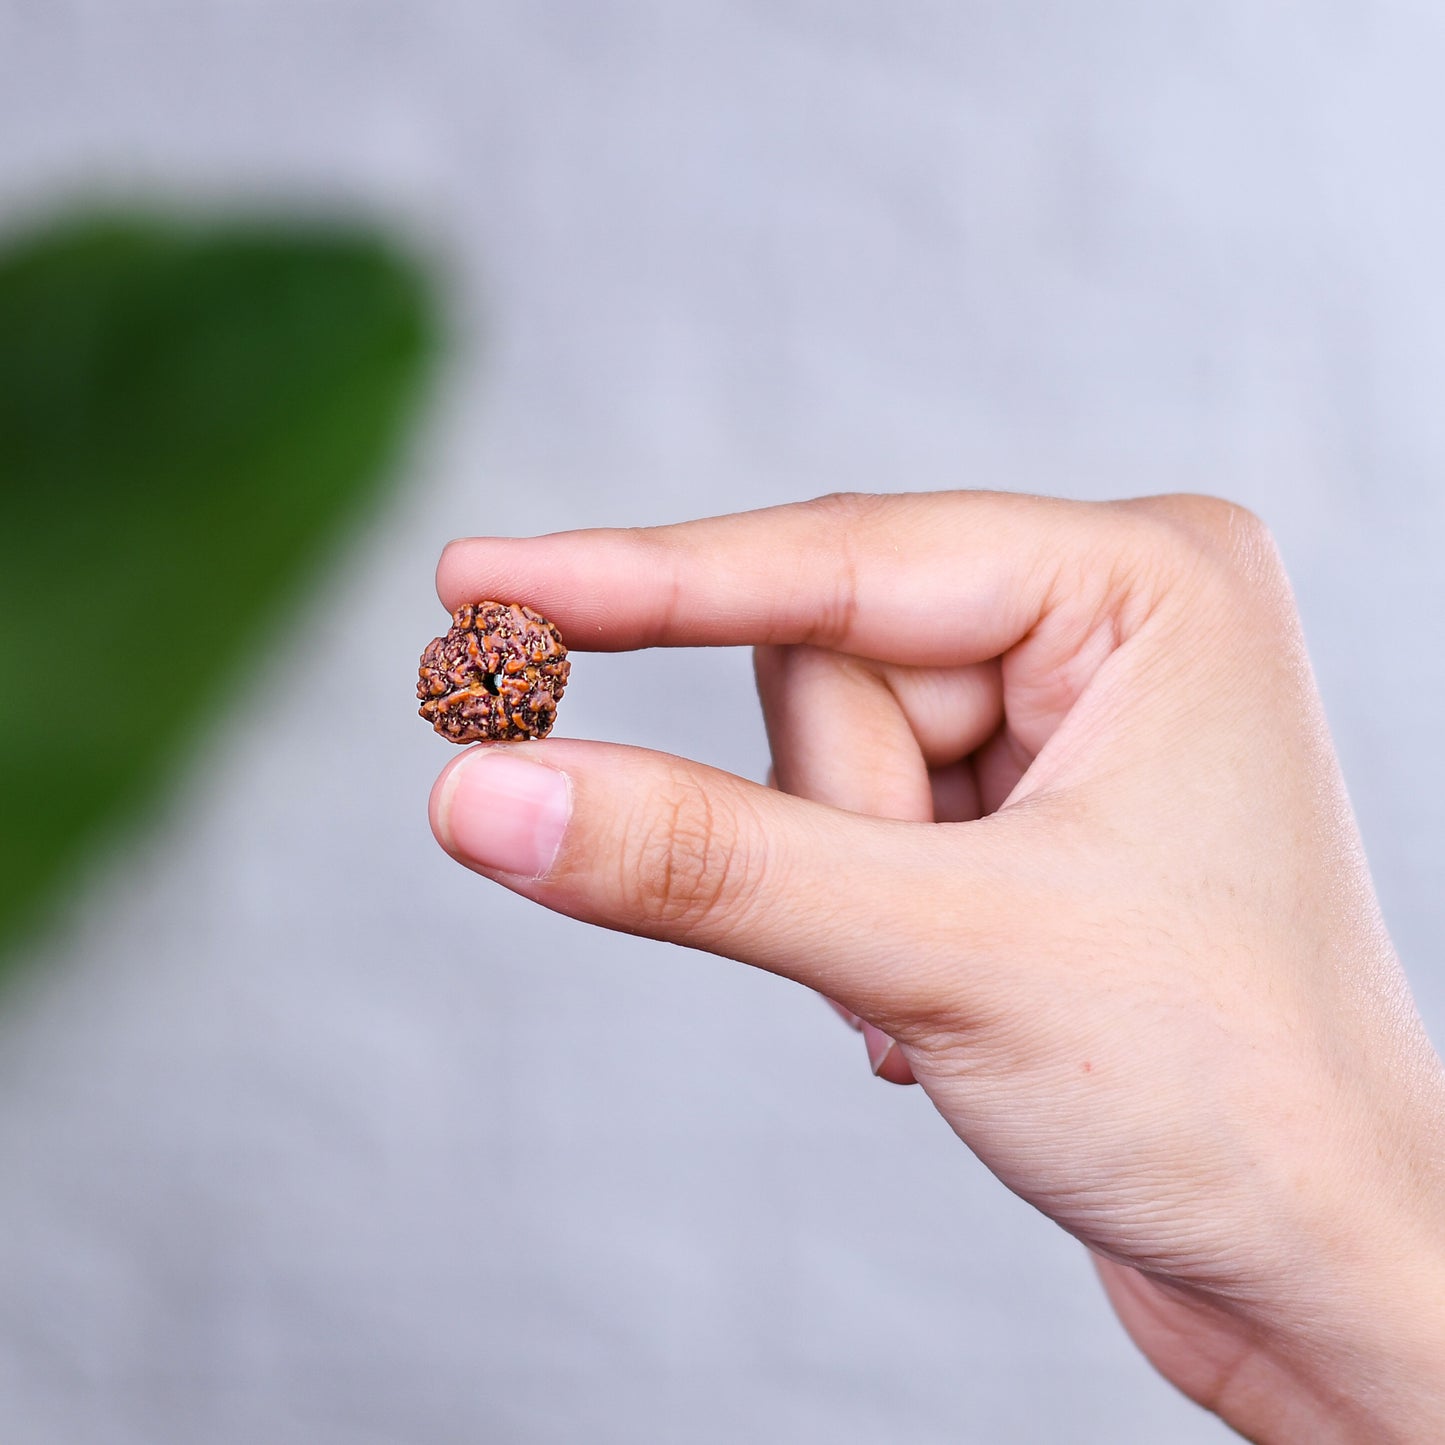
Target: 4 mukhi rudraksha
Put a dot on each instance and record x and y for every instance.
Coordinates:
(497, 675)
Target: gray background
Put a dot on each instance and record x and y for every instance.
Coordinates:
(290, 1148)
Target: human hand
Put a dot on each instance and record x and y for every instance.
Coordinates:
(1111, 902)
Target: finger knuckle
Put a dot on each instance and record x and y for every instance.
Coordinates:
(844, 520)
(1198, 522)
(1217, 540)
(848, 508)
(686, 871)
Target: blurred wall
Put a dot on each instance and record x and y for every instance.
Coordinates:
(295, 1147)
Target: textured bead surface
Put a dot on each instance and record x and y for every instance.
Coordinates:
(497, 675)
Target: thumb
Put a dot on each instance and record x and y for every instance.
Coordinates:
(652, 844)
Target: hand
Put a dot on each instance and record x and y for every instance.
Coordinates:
(1110, 903)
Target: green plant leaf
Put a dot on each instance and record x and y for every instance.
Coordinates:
(188, 415)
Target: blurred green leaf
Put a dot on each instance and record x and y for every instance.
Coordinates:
(188, 414)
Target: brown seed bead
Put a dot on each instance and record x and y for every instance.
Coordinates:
(496, 676)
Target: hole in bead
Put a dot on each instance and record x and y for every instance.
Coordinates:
(492, 682)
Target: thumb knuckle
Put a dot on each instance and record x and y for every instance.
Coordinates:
(689, 866)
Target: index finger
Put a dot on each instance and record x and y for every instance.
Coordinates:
(920, 578)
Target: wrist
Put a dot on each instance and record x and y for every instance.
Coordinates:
(1356, 1351)
(1382, 1386)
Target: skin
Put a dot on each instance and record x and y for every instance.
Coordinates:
(1057, 813)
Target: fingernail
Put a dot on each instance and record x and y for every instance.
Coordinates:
(879, 1046)
(499, 810)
